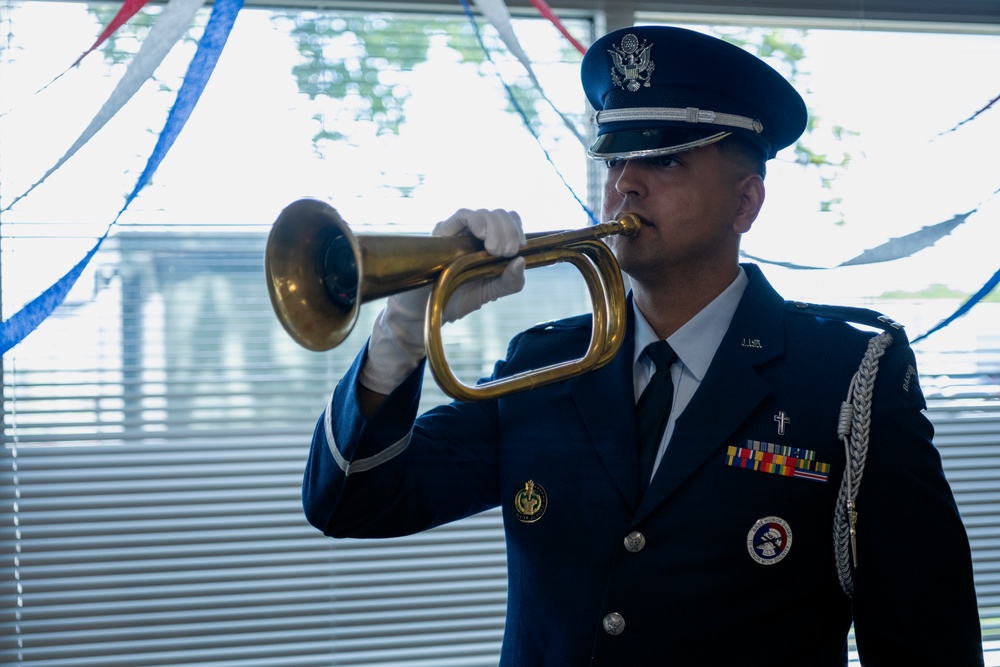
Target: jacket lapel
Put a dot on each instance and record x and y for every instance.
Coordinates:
(731, 390)
(606, 402)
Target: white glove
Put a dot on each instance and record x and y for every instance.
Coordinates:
(396, 346)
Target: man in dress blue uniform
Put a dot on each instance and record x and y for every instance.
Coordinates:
(792, 488)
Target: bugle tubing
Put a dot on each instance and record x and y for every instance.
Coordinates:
(319, 273)
(600, 271)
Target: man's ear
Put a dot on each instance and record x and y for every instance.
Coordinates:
(751, 199)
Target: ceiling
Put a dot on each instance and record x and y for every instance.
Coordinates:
(975, 15)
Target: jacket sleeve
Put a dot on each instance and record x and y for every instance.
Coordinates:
(914, 595)
(394, 474)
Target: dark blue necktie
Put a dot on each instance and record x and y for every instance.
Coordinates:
(653, 408)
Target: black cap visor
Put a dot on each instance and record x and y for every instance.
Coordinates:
(651, 142)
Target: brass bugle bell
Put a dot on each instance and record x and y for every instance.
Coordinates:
(319, 273)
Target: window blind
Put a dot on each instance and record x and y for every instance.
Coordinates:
(156, 426)
(183, 542)
(158, 520)
(967, 433)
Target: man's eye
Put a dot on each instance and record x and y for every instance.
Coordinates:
(613, 162)
(664, 161)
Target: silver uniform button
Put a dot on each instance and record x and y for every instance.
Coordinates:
(635, 541)
(614, 624)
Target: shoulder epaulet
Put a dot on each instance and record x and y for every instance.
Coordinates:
(575, 322)
(863, 316)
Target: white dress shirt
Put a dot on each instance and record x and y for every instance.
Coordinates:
(695, 344)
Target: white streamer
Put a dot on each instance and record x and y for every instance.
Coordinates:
(170, 26)
(498, 15)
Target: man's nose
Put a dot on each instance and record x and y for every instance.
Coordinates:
(628, 179)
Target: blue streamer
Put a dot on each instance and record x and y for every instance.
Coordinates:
(893, 249)
(26, 320)
(220, 24)
(965, 307)
(210, 46)
(524, 116)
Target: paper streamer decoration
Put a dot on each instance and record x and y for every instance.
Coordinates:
(14, 329)
(988, 106)
(125, 12)
(546, 11)
(905, 246)
(213, 40)
(496, 13)
(896, 248)
(524, 116)
(964, 308)
(170, 26)
(210, 46)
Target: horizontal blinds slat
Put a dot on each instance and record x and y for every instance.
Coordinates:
(156, 430)
(159, 464)
(227, 600)
(158, 517)
(170, 375)
(173, 641)
(153, 552)
(364, 595)
(967, 434)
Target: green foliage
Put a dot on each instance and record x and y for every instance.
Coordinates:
(356, 59)
(773, 44)
(939, 291)
(525, 93)
(121, 46)
(352, 57)
(782, 48)
(351, 65)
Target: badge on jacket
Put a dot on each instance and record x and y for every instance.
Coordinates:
(530, 502)
(769, 540)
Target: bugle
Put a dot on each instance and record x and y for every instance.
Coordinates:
(319, 273)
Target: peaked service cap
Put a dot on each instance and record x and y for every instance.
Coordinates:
(659, 90)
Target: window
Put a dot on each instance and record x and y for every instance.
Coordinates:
(156, 424)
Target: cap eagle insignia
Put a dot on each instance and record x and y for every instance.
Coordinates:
(631, 61)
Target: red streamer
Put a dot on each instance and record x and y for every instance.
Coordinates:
(127, 11)
(546, 11)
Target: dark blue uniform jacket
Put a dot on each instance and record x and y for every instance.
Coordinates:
(694, 594)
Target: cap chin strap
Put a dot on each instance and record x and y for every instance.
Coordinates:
(677, 115)
(653, 152)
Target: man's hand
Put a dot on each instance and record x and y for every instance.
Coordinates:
(396, 346)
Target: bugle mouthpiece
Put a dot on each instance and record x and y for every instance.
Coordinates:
(629, 224)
